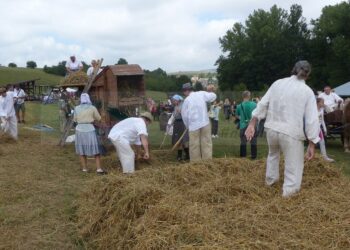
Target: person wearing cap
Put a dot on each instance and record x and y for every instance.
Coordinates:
(7, 113)
(290, 109)
(195, 117)
(131, 131)
(179, 129)
(86, 143)
(73, 65)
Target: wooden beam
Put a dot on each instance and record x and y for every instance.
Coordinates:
(69, 123)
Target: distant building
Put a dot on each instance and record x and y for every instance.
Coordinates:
(205, 81)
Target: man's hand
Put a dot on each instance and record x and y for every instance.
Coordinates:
(250, 131)
(310, 153)
(146, 156)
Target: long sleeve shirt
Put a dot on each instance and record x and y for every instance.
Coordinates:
(194, 109)
(7, 108)
(289, 107)
(129, 131)
(330, 100)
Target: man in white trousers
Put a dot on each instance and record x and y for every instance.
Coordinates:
(8, 113)
(131, 131)
(290, 109)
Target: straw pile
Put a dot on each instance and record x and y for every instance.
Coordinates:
(75, 79)
(219, 204)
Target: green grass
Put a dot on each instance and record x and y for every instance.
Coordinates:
(156, 95)
(227, 145)
(13, 75)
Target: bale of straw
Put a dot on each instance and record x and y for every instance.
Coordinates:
(219, 204)
(75, 79)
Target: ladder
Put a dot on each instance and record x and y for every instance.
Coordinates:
(69, 123)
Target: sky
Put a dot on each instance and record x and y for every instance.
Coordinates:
(175, 35)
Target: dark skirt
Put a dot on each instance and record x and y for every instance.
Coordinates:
(179, 129)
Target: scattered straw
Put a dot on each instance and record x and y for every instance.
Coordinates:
(219, 204)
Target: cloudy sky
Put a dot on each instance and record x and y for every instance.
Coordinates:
(172, 34)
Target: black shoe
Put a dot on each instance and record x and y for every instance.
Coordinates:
(179, 155)
(187, 154)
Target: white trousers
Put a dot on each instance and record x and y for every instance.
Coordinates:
(10, 126)
(293, 151)
(126, 155)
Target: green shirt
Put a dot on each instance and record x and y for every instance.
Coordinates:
(244, 112)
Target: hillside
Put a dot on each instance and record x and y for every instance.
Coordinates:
(13, 75)
(194, 72)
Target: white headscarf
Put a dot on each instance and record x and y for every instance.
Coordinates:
(85, 99)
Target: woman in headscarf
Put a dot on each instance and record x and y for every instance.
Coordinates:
(179, 129)
(86, 143)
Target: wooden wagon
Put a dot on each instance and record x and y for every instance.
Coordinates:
(118, 91)
(334, 124)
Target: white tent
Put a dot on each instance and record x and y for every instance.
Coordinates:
(343, 90)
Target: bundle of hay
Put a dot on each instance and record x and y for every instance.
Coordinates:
(75, 79)
(219, 204)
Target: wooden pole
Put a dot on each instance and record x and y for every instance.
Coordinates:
(69, 123)
(161, 145)
(179, 141)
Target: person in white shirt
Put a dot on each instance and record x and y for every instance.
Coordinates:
(195, 117)
(20, 109)
(7, 113)
(90, 70)
(73, 65)
(323, 129)
(290, 109)
(131, 131)
(331, 100)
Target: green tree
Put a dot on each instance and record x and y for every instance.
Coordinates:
(85, 66)
(12, 65)
(198, 86)
(179, 81)
(330, 46)
(264, 49)
(59, 69)
(122, 61)
(31, 64)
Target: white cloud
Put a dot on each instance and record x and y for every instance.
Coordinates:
(171, 34)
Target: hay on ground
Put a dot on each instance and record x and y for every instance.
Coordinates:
(219, 204)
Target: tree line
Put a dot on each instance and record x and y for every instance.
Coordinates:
(267, 45)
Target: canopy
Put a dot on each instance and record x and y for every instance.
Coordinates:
(343, 90)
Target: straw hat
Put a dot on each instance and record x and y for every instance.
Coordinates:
(146, 115)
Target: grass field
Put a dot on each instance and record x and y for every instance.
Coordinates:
(156, 95)
(40, 182)
(13, 75)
